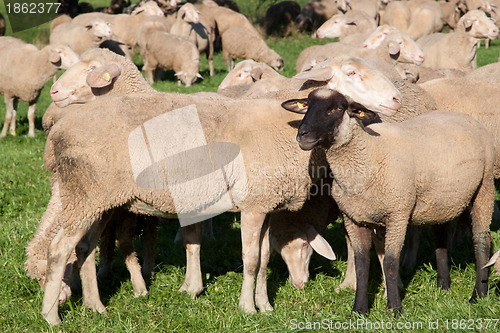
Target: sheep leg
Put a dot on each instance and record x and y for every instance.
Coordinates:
(361, 242)
(148, 69)
(10, 116)
(58, 254)
(210, 56)
(125, 235)
(31, 120)
(481, 211)
(193, 282)
(261, 298)
(107, 251)
(410, 248)
(394, 240)
(350, 273)
(251, 228)
(149, 239)
(85, 252)
(441, 240)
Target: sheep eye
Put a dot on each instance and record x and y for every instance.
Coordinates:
(351, 73)
(304, 244)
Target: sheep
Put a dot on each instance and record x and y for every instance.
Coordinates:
(472, 96)
(241, 43)
(341, 25)
(426, 18)
(81, 38)
(24, 70)
(161, 49)
(370, 40)
(124, 26)
(226, 19)
(280, 18)
(315, 13)
(191, 26)
(397, 173)
(399, 48)
(117, 187)
(441, 49)
(247, 72)
(397, 14)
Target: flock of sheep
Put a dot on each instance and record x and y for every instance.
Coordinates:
(371, 147)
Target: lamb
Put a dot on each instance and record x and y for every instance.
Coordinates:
(280, 18)
(399, 48)
(163, 50)
(195, 28)
(241, 43)
(412, 189)
(119, 189)
(247, 72)
(81, 38)
(24, 70)
(341, 25)
(441, 49)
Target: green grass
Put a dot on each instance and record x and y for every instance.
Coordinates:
(24, 193)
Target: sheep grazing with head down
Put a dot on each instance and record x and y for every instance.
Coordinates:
(241, 43)
(24, 70)
(409, 172)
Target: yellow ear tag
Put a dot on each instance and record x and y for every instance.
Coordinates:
(106, 77)
(300, 105)
(361, 114)
(391, 44)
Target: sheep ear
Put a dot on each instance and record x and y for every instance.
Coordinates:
(351, 22)
(319, 243)
(492, 260)
(319, 74)
(198, 75)
(358, 111)
(467, 24)
(296, 105)
(179, 73)
(394, 47)
(88, 27)
(103, 76)
(54, 56)
(256, 73)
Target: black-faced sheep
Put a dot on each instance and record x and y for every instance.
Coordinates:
(280, 18)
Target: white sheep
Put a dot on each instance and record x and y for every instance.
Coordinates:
(341, 25)
(81, 38)
(24, 70)
(194, 27)
(241, 43)
(247, 72)
(137, 109)
(409, 172)
(457, 49)
(161, 49)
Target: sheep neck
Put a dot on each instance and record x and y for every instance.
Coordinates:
(39, 64)
(349, 161)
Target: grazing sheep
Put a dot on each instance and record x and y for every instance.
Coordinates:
(193, 27)
(315, 13)
(241, 43)
(247, 72)
(24, 70)
(160, 49)
(81, 38)
(403, 172)
(280, 18)
(118, 188)
(341, 25)
(441, 49)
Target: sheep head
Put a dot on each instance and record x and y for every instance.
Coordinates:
(354, 77)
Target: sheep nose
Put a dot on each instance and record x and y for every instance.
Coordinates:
(421, 57)
(397, 99)
(303, 133)
(53, 91)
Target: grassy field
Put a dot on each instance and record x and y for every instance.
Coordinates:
(24, 193)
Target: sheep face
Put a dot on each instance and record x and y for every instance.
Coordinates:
(335, 27)
(278, 63)
(478, 25)
(149, 8)
(63, 56)
(378, 36)
(354, 77)
(403, 48)
(245, 72)
(327, 117)
(100, 29)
